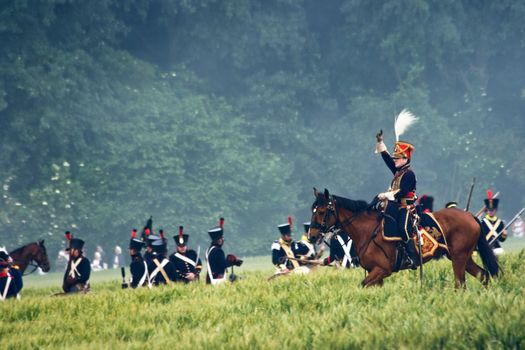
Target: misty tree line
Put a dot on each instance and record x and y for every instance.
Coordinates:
(113, 111)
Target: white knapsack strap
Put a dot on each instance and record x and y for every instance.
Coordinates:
(290, 255)
(144, 276)
(346, 249)
(492, 228)
(74, 270)
(160, 268)
(186, 259)
(6, 289)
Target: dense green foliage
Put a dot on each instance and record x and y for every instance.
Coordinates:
(326, 310)
(113, 111)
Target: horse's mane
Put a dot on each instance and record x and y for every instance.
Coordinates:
(355, 206)
(19, 250)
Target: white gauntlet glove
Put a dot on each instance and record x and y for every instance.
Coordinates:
(380, 147)
(386, 195)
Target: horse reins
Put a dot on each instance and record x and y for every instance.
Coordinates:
(340, 225)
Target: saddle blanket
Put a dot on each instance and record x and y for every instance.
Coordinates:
(429, 228)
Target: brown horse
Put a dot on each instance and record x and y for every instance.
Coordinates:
(363, 224)
(25, 255)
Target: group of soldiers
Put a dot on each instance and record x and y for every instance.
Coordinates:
(155, 267)
(289, 255)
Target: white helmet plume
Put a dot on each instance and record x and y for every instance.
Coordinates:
(403, 121)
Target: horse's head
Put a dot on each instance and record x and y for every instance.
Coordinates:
(39, 255)
(324, 217)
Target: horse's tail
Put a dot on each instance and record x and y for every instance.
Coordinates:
(487, 254)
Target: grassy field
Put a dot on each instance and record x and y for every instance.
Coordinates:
(326, 309)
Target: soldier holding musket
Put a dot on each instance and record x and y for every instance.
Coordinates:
(285, 251)
(187, 264)
(138, 267)
(491, 225)
(217, 262)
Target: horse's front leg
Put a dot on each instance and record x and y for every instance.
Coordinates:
(375, 277)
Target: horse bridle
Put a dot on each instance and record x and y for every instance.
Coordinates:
(331, 210)
(34, 264)
(338, 225)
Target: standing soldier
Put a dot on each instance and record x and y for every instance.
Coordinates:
(285, 250)
(10, 278)
(217, 262)
(160, 269)
(187, 264)
(76, 277)
(491, 225)
(138, 267)
(402, 190)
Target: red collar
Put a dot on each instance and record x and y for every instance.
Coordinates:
(4, 274)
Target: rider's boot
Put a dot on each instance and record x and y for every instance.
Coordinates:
(412, 254)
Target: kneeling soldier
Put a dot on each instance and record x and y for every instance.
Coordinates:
(217, 262)
(285, 250)
(76, 277)
(138, 267)
(160, 269)
(187, 264)
(342, 251)
(10, 278)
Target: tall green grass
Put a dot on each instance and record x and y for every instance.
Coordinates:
(327, 309)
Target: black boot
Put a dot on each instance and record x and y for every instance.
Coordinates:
(412, 255)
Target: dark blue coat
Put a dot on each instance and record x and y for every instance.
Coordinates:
(80, 276)
(183, 267)
(404, 178)
(137, 270)
(217, 262)
(13, 289)
(159, 278)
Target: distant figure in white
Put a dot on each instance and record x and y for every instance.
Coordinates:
(96, 265)
(118, 259)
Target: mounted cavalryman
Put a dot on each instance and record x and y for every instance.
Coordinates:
(217, 262)
(138, 267)
(10, 278)
(491, 225)
(186, 261)
(76, 277)
(402, 190)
